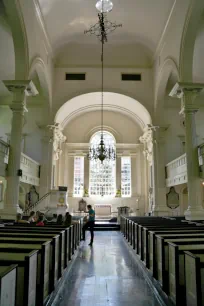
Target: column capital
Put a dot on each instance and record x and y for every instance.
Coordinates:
(186, 88)
(21, 86)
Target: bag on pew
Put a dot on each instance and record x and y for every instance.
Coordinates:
(26, 275)
(8, 285)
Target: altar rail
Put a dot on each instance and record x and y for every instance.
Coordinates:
(176, 171)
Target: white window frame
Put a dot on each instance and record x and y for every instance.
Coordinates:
(126, 179)
(78, 187)
(101, 183)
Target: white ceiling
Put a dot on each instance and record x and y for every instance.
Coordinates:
(143, 21)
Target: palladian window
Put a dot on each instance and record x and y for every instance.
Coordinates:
(102, 179)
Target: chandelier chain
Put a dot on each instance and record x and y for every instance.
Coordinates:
(101, 30)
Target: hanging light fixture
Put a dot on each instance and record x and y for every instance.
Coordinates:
(101, 30)
(104, 6)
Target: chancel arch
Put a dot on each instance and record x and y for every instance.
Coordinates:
(124, 122)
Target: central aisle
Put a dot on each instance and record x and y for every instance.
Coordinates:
(105, 275)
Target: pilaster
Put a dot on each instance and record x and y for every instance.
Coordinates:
(187, 92)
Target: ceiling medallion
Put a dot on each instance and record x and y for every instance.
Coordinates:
(104, 6)
(101, 30)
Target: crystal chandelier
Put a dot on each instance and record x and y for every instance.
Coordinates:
(101, 30)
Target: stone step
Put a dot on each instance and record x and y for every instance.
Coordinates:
(110, 228)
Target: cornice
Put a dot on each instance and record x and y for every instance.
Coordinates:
(41, 21)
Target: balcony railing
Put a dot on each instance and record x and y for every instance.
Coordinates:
(176, 171)
(31, 170)
(4, 150)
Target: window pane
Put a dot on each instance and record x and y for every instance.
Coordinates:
(102, 179)
(78, 176)
(126, 176)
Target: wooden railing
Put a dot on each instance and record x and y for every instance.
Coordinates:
(176, 171)
(35, 206)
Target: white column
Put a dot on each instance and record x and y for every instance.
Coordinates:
(86, 173)
(46, 164)
(18, 107)
(159, 206)
(188, 92)
(118, 173)
(70, 175)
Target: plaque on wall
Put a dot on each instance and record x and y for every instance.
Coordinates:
(172, 198)
(82, 205)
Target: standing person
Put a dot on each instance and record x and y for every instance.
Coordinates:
(89, 224)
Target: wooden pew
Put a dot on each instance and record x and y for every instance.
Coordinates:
(42, 264)
(8, 285)
(54, 262)
(43, 230)
(169, 224)
(150, 244)
(194, 277)
(162, 256)
(177, 284)
(26, 281)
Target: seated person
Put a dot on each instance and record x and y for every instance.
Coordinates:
(31, 218)
(54, 218)
(59, 220)
(68, 219)
(40, 221)
(20, 220)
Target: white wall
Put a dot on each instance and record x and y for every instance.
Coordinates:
(126, 130)
(65, 90)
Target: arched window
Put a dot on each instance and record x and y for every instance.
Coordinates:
(102, 177)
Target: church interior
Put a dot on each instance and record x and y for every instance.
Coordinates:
(101, 124)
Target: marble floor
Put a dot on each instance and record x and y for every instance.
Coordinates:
(105, 275)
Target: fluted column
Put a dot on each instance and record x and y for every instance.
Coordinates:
(18, 107)
(188, 92)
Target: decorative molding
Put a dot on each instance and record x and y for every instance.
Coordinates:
(57, 139)
(25, 39)
(160, 43)
(41, 21)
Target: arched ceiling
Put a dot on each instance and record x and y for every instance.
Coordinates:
(112, 102)
(143, 22)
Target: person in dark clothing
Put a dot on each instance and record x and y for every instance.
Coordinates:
(68, 219)
(60, 220)
(89, 224)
